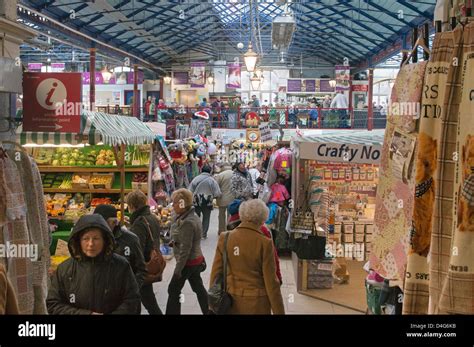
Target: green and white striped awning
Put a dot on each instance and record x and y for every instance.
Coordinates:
(95, 127)
(355, 137)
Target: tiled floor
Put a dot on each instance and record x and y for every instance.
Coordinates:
(294, 303)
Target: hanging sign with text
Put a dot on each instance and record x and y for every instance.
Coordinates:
(54, 102)
(340, 152)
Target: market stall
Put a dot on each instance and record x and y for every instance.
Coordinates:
(109, 158)
(333, 190)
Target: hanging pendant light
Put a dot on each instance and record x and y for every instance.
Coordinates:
(210, 78)
(255, 81)
(250, 59)
(167, 79)
(106, 74)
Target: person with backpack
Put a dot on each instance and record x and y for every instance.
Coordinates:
(204, 188)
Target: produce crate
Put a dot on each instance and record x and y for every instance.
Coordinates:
(81, 185)
(143, 186)
(107, 180)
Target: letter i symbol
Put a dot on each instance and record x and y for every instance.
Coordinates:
(50, 94)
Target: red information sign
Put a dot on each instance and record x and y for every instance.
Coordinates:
(360, 88)
(52, 102)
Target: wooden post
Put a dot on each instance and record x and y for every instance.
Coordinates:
(119, 153)
(122, 182)
(370, 108)
(92, 52)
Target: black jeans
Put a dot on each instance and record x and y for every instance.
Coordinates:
(206, 217)
(149, 299)
(193, 275)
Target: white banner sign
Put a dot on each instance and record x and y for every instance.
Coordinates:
(265, 132)
(340, 152)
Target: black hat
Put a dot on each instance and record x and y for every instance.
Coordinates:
(106, 211)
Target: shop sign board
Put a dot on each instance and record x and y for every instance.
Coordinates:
(340, 152)
(360, 87)
(265, 132)
(54, 102)
(294, 86)
(325, 87)
(180, 78)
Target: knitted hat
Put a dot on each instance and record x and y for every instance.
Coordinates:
(106, 211)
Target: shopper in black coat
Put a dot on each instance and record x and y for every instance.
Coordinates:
(143, 223)
(127, 243)
(94, 280)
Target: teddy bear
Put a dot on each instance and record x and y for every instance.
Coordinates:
(424, 195)
(465, 212)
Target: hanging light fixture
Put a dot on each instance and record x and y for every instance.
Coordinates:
(210, 78)
(167, 79)
(332, 83)
(250, 59)
(106, 74)
(255, 81)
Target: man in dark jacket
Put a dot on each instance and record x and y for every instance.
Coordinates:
(147, 228)
(126, 243)
(95, 280)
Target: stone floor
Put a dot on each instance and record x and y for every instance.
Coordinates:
(294, 303)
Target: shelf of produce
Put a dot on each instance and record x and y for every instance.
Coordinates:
(97, 191)
(90, 169)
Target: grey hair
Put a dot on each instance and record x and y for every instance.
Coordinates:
(253, 211)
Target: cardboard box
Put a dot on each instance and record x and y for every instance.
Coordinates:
(369, 228)
(359, 237)
(347, 238)
(368, 237)
(359, 228)
(338, 228)
(341, 274)
(368, 246)
(348, 228)
(143, 186)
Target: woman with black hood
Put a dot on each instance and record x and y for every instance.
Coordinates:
(94, 280)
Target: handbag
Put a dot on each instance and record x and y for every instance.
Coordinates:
(220, 301)
(157, 263)
(302, 218)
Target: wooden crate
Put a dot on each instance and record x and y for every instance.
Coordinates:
(107, 185)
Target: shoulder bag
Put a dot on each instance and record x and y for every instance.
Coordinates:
(156, 265)
(220, 301)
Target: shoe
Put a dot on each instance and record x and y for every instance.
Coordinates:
(374, 279)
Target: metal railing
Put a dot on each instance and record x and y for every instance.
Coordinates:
(286, 117)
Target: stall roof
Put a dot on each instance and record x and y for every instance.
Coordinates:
(96, 127)
(356, 137)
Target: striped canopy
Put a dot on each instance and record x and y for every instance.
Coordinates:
(96, 127)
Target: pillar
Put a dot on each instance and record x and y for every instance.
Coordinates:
(136, 101)
(92, 52)
(370, 108)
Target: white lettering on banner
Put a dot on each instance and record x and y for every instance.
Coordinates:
(336, 152)
(37, 330)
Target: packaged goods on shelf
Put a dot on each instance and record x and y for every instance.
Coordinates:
(368, 237)
(348, 228)
(347, 238)
(320, 274)
(359, 237)
(140, 181)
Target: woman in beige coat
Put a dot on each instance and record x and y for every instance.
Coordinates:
(251, 278)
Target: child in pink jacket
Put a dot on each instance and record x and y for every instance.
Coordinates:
(279, 192)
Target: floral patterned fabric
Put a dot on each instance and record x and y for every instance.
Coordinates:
(395, 196)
